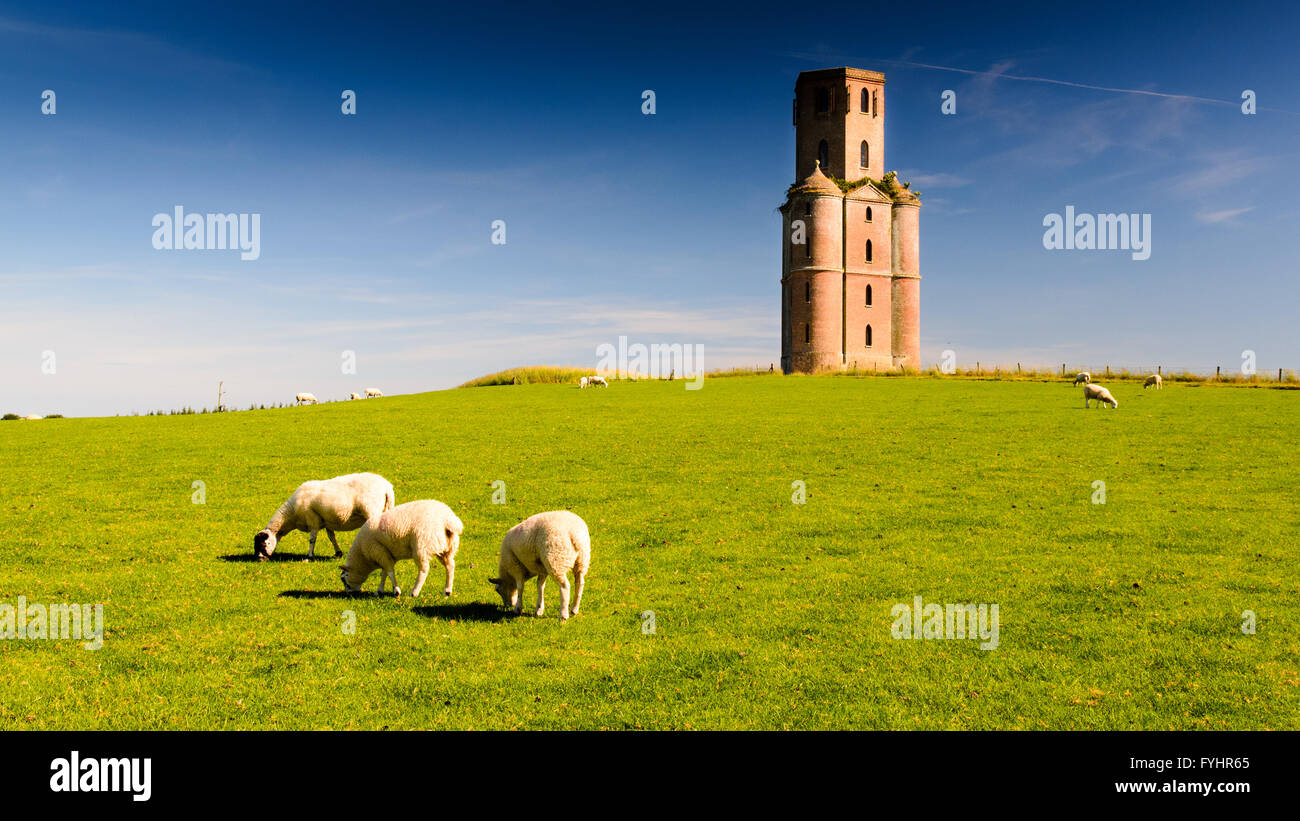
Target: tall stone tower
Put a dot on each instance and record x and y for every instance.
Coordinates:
(850, 274)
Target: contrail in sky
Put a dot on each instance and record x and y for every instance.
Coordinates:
(1050, 81)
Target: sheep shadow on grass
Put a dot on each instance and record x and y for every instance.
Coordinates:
(330, 594)
(473, 611)
(283, 557)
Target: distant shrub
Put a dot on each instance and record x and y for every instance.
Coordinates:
(533, 375)
(9, 416)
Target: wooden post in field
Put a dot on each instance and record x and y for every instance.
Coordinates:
(1216, 373)
(1062, 369)
(977, 368)
(1017, 368)
(1108, 371)
(1158, 370)
(220, 385)
(1279, 374)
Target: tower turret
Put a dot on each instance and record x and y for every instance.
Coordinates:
(906, 296)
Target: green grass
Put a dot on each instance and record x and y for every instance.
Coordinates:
(768, 614)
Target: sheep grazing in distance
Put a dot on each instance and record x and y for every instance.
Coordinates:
(305, 399)
(341, 503)
(597, 380)
(415, 530)
(354, 395)
(1099, 393)
(547, 544)
(373, 392)
(583, 382)
(1153, 379)
(1084, 377)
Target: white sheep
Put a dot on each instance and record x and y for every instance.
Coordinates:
(354, 395)
(306, 398)
(547, 544)
(583, 382)
(373, 392)
(1084, 377)
(415, 530)
(341, 503)
(1153, 379)
(1099, 393)
(597, 380)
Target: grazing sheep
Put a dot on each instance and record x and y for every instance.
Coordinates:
(1153, 379)
(1099, 393)
(306, 398)
(597, 380)
(341, 503)
(415, 530)
(1084, 377)
(583, 382)
(354, 395)
(373, 392)
(547, 544)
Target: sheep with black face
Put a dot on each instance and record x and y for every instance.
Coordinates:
(341, 503)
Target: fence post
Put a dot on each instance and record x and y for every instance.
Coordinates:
(1216, 373)
(1158, 369)
(1108, 371)
(1062, 369)
(1279, 374)
(1018, 369)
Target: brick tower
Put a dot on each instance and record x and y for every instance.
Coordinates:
(850, 278)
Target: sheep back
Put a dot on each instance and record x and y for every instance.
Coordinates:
(409, 529)
(551, 543)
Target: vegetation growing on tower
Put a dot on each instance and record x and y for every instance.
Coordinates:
(887, 185)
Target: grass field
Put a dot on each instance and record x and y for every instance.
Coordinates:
(767, 614)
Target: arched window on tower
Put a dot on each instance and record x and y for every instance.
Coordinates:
(807, 291)
(868, 336)
(875, 108)
(865, 103)
(868, 213)
(868, 296)
(824, 154)
(868, 250)
(807, 336)
(864, 159)
(807, 208)
(823, 100)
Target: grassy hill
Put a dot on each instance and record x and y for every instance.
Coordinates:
(767, 614)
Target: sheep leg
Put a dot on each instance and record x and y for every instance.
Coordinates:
(422, 570)
(386, 569)
(578, 578)
(541, 592)
(449, 562)
(518, 595)
(563, 581)
(311, 544)
(337, 550)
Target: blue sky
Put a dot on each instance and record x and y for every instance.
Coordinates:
(376, 228)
